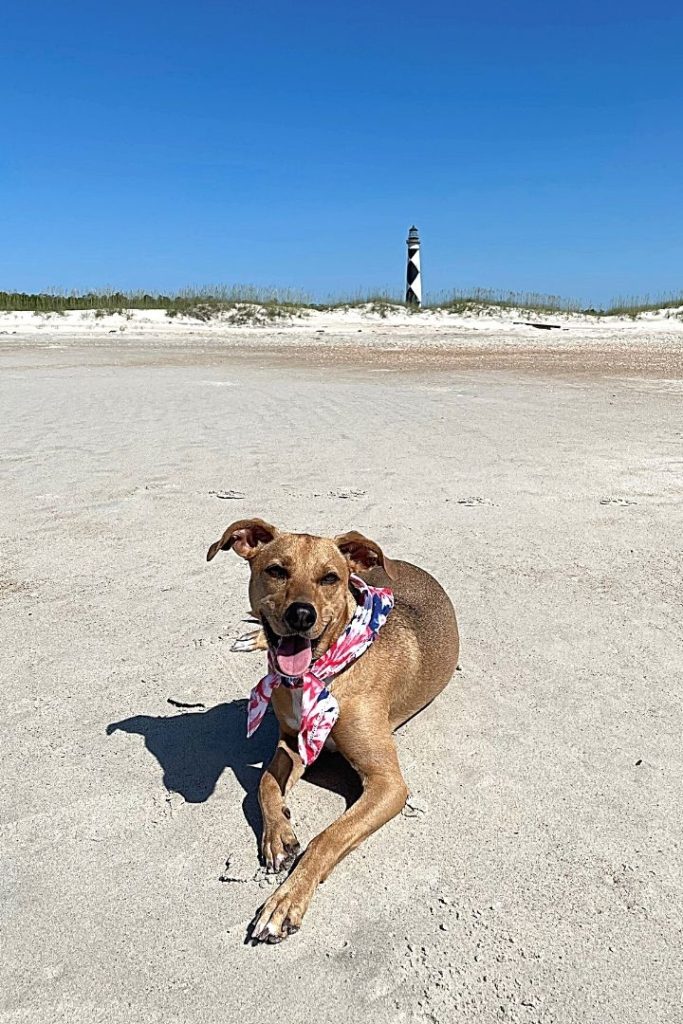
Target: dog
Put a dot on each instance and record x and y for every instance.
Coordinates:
(305, 592)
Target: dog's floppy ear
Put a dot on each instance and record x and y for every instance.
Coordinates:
(362, 553)
(245, 536)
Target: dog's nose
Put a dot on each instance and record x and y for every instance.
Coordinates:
(300, 616)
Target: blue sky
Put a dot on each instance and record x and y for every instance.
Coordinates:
(537, 146)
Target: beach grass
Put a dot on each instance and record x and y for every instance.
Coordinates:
(247, 303)
(634, 304)
(477, 299)
(110, 300)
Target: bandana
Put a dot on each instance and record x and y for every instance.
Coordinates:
(319, 709)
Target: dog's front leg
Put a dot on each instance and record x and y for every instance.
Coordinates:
(384, 795)
(279, 845)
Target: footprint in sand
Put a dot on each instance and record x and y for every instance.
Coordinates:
(228, 495)
(475, 501)
(346, 493)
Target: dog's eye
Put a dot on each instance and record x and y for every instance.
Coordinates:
(278, 572)
(329, 578)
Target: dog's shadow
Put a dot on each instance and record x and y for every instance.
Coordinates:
(195, 747)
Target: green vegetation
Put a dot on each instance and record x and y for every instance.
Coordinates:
(190, 301)
(248, 305)
(632, 305)
(240, 305)
(380, 302)
(480, 299)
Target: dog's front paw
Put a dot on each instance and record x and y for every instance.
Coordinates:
(282, 914)
(250, 642)
(279, 845)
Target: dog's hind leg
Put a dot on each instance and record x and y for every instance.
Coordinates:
(279, 845)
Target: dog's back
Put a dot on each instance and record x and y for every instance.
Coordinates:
(420, 642)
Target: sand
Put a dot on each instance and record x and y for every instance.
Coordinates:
(537, 877)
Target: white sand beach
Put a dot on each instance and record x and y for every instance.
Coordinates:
(537, 875)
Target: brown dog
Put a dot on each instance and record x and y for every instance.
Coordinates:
(300, 587)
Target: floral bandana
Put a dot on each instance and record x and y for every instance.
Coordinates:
(319, 709)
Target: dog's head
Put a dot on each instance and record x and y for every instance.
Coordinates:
(299, 586)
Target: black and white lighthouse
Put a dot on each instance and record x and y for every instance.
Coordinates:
(413, 278)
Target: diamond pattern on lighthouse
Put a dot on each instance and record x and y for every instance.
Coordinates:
(413, 282)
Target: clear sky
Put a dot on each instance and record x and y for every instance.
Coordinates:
(537, 146)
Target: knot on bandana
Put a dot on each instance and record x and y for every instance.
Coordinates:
(319, 709)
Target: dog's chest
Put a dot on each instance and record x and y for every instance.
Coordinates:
(293, 716)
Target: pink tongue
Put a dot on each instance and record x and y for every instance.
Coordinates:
(294, 655)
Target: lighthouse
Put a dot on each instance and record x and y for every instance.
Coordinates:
(413, 279)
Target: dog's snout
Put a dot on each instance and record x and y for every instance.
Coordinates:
(300, 616)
